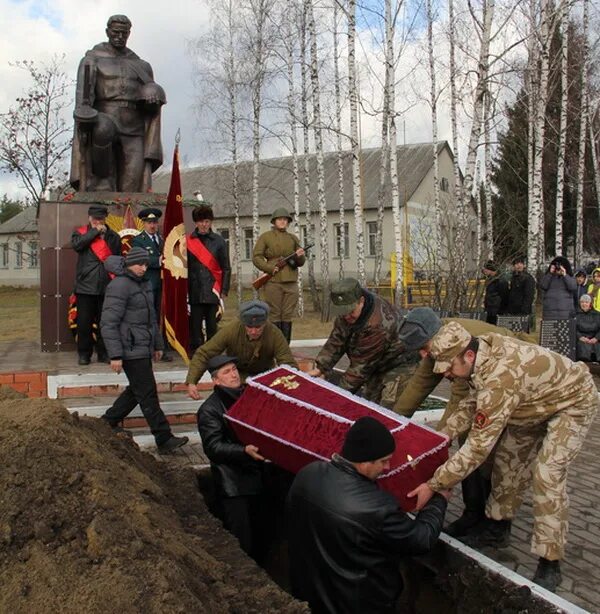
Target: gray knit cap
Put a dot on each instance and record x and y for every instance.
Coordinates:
(137, 255)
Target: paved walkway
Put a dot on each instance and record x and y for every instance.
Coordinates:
(581, 568)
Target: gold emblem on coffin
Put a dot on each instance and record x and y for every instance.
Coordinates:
(175, 252)
(286, 381)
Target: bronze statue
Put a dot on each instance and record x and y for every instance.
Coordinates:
(116, 144)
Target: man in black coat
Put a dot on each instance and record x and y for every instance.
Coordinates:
(209, 274)
(496, 293)
(132, 339)
(521, 290)
(93, 243)
(346, 536)
(237, 469)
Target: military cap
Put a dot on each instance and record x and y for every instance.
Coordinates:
(418, 327)
(450, 341)
(281, 212)
(254, 313)
(98, 212)
(150, 214)
(216, 362)
(344, 296)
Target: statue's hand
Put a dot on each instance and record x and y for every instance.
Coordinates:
(85, 115)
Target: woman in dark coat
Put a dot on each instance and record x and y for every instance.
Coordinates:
(559, 288)
(588, 330)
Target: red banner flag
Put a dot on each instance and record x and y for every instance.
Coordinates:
(175, 286)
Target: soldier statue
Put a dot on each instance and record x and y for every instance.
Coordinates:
(116, 144)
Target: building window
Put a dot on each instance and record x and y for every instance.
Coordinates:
(224, 232)
(19, 255)
(4, 256)
(444, 184)
(371, 238)
(248, 243)
(338, 240)
(33, 255)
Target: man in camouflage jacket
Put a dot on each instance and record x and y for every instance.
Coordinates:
(537, 406)
(366, 330)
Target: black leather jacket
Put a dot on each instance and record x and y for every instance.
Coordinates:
(346, 537)
(235, 474)
(200, 279)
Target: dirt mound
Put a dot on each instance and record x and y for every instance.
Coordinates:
(88, 523)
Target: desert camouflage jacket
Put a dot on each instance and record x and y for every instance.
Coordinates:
(371, 344)
(513, 383)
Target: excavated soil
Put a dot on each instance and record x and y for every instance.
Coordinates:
(88, 523)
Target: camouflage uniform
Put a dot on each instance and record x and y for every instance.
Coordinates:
(378, 362)
(424, 380)
(281, 291)
(539, 405)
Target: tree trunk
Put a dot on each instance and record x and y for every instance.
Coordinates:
(338, 133)
(310, 231)
(487, 184)
(562, 134)
(434, 130)
(355, 140)
(582, 139)
(318, 137)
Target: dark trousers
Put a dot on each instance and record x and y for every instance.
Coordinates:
(199, 313)
(141, 391)
(244, 518)
(89, 310)
(157, 305)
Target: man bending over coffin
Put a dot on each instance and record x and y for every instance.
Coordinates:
(237, 469)
(346, 536)
(366, 330)
(258, 344)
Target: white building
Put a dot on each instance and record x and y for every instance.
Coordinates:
(276, 189)
(19, 250)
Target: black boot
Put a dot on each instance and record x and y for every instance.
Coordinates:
(286, 329)
(474, 494)
(84, 359)
(494, 533)
(548, 574)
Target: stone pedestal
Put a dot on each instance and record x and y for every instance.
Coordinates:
(57, 220)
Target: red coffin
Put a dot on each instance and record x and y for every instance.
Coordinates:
(295, 419)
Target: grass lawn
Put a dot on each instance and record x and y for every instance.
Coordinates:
(20, 316)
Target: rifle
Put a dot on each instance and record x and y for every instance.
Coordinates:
(260, 281)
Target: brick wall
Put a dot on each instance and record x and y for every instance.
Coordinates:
(32, 383)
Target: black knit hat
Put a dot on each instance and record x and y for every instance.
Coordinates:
(137, 255)
(367, 440)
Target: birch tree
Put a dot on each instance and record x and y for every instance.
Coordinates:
(582, 139)
(318, 137)
(355, 142)
(338, 136)
(562, 131)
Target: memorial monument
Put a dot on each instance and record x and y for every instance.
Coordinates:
(116, 142)
(116, 148)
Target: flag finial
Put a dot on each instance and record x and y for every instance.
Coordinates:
(178, 136)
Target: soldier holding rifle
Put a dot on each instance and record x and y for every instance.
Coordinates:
(271, 256)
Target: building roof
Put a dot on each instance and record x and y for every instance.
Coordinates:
(276, 182)
(26, 221)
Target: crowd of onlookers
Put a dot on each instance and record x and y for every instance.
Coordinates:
(564, 296)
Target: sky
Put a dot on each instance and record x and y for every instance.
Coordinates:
(36, 30)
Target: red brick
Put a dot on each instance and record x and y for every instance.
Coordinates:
(136, 422)
(7, 378)
(205, 386)
(182, 419)
(163, 387)
(36, 394)
(37, 386)
(75, 391)
(179, 387)
(29, 376)
(20, 386)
